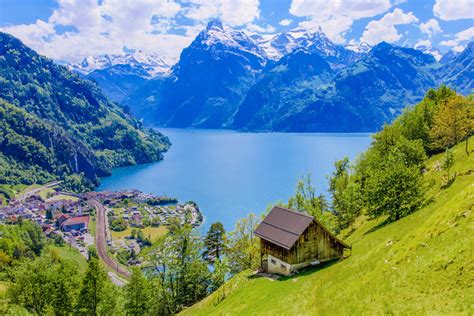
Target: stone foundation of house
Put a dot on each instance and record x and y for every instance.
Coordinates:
(277, 266)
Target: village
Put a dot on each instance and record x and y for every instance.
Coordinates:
(134, 219)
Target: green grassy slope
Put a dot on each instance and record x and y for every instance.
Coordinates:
(421, 264)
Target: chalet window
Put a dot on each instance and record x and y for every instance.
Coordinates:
(273, 261)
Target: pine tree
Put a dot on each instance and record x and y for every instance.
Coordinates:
(94, 287)
(137, 300)
(214, 243)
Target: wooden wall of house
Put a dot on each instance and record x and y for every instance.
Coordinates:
(267, 247)
(314, 244)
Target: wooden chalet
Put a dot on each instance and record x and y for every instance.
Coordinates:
(291, 240)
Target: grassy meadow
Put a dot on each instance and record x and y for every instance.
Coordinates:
(421, 264)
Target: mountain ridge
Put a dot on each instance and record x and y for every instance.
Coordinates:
(217, 77)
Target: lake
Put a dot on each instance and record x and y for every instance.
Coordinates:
(230, 174)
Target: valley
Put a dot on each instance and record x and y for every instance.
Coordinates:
(236, 158)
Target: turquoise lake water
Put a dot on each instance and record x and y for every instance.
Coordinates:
(231, 174)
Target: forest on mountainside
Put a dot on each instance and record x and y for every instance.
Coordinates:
(55, 125)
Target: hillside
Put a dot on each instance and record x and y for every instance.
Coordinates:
(417, 265)
(55, 124)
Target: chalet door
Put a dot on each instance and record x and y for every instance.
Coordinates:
(314, 252)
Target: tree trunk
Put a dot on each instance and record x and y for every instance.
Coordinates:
(467, 146)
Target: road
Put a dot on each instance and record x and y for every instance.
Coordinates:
(37, 190)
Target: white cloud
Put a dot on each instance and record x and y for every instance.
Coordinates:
(336, 17)
(449, 10)
(234, 13)
(384, 29)
(458, 43)
(285, 22)
(254, 28)
(448, 43)
(426, 47)
(355, 9)
(105, 27)
(335, 28)
(465, 35)
(423, 44)
(431, 27)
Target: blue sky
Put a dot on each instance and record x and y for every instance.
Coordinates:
(69, 30)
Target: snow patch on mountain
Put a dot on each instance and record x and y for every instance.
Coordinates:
(151, 63)
(219, 36)
(359, 47)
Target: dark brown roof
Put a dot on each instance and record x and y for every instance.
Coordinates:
(283, 227)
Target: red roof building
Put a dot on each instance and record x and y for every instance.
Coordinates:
(75, 223)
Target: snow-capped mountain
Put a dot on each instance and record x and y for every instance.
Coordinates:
(313, 40)
(359, 47)
(217, 35)
(298, 80)
(151, 63)
(276, 46)
(208, 83)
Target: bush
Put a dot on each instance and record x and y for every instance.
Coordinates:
(118, 225)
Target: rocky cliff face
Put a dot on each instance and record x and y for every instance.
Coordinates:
(458, 71)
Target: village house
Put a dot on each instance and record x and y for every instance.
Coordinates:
(136, 220)
(75, 223)
(60, 218)
(292, 240)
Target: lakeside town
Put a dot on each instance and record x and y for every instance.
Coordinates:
(134, 218)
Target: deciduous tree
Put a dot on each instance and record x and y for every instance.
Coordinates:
(244, 248)
(452, 123)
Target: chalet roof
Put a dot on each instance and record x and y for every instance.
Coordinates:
(283, 227)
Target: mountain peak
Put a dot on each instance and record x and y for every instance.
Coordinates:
(382, 46)
(215, 24)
